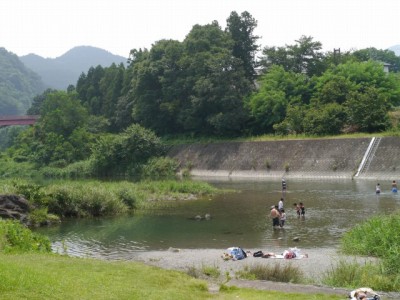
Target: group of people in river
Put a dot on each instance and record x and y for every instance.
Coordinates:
(278, 214)
(393, 187)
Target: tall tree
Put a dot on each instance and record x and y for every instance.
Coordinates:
(241, 29)
(278, 89)
(305, 56)
(216, 83)
(60, 135)
(383, 56)
(157, 87)
(38, 101)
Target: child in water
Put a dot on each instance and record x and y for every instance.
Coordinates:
(394, 186)
(282, 218)
(378, 188)
(302, 209)
(297, 207)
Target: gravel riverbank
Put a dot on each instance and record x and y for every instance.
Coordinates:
(314, 267)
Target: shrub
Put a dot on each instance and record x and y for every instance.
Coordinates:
(40, 216)
(80, 169)
(10, 169)
(84, 199)
(126, 152)
(14, 237)
(128, 197)
(378, 236)
(277, 272)
(31, 191)
(160, 168)
(352, 274)
(212, 272)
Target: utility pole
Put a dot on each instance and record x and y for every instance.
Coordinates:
(336, 55)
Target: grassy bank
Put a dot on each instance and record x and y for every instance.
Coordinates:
(87, 198)
(39, 276)
(29, 271)
(378, 236)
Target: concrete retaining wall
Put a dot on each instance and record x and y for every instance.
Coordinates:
(314, 158)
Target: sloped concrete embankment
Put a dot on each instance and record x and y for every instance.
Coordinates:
(314, 158)
(385, 163)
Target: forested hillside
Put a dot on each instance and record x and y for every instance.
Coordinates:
(210, 84)
(18, 85)
(60, 72)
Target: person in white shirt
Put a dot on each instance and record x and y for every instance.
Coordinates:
(378, 188)
(280, 204)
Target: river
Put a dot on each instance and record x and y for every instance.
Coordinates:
(238, 218)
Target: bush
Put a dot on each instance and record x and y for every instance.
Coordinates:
(350, 275)
(125, 153)
(15, 238)
(40, 217)
(10, 169)
(277, 272)
(378, 236)
(84, 200)
(160, 168)
(128, 197)
(80, 169)
(31, 191)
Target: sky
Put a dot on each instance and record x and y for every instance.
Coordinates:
(50, 28)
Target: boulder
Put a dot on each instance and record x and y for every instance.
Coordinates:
(14, 207)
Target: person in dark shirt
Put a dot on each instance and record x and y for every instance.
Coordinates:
(302, 209)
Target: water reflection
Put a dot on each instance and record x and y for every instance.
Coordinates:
(238, 219)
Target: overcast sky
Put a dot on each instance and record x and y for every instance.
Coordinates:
(49, 28)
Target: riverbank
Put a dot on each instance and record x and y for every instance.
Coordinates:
(341, 158)
(314, 267)
(319, 261)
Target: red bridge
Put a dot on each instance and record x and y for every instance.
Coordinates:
(17, 120)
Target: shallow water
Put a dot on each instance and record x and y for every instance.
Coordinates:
(238, 219)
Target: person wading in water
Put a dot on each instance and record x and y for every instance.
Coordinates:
(283, 187)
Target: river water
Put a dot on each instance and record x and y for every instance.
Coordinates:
(238, 218)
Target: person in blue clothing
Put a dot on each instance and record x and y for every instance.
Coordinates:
(394, 186)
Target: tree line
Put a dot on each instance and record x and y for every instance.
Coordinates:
(211, 84)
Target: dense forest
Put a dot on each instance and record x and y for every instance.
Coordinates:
(216, 82)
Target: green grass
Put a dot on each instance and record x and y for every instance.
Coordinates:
(378, 236)
(30, 271)
(276, 272)
(88, 198)
(350, 275)
(15, 238)
(40, 276)
(178, 140)
(10, 168)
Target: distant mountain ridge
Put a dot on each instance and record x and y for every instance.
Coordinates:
(18, 84)
(60, 72)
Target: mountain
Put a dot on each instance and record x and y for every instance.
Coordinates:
(18, 85)
(395, 49)
(60, 72)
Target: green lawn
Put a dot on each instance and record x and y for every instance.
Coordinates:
(51, 276)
